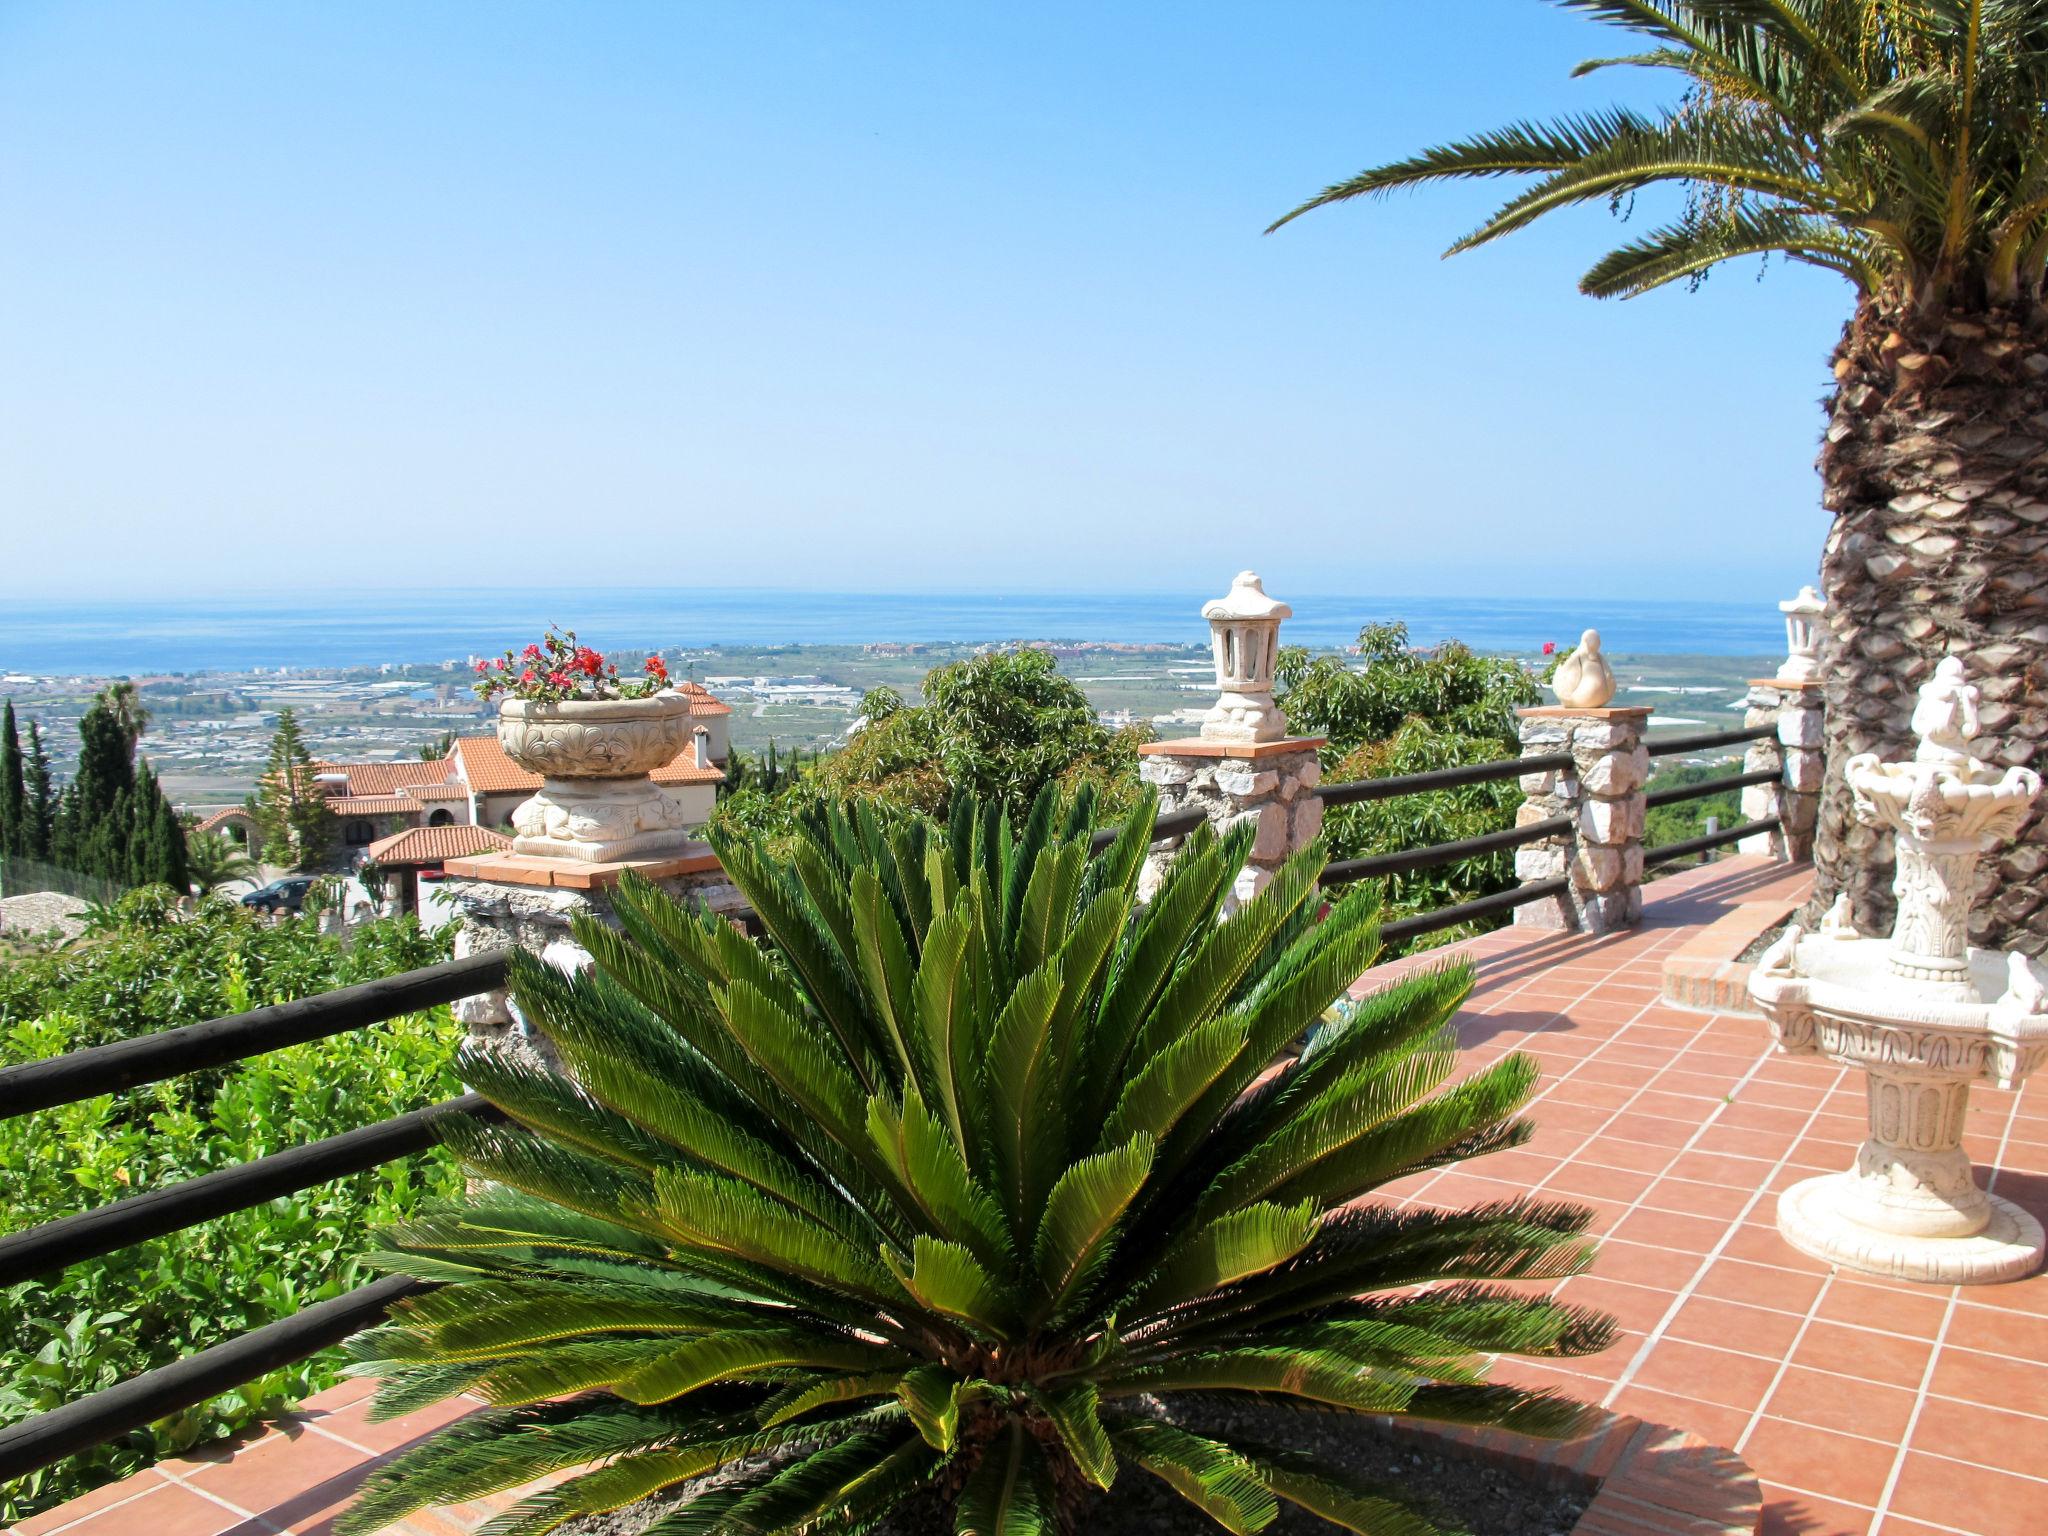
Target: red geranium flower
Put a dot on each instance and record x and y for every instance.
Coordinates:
(1550, 647)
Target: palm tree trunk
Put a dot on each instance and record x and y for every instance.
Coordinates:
(1935, 466)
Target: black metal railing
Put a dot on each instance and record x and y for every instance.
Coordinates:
(40, 1250)
(1683, 792)
(1705, 740)
(1709, 841)
(121, 1224)
(216, 1042)
(1439, 778)
(1435, 855)
(128, 1405)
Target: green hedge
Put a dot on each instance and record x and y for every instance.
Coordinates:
(99, 1322)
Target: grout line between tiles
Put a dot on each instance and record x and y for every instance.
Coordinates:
(1708, 1260)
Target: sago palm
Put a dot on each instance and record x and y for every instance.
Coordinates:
(955, 1184)
(1902, 144)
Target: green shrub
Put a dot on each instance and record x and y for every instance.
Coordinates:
(86, 1327)
(1396, 711)
(1687, 819)
(955, 1183)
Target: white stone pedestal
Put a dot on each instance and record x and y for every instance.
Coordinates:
(600, 821)
(1911, 1208)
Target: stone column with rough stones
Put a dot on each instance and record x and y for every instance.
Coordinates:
(1243, 766)
(508, 901)
(1795, 754)
(1602, 794)
(1268, 783)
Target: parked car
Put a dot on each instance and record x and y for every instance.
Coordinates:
(286, 895)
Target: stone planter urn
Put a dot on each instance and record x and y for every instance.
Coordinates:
(1921, 1014)
(596, 802)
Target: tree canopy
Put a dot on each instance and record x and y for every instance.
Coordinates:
(1000, 726)
(1902, 145)
(290, 811)
(1395, 709)
(112, 820)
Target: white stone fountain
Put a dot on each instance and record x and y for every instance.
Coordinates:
(1922, 1014)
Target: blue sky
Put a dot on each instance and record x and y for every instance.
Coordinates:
(878, 295)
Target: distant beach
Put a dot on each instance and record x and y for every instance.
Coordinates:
(340, 629)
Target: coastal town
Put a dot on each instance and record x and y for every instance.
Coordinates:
(208, 733)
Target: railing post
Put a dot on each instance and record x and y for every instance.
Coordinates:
(524, 901)
(1795, 755)
(1792, 701)
(1602, 792)
(1243, 766)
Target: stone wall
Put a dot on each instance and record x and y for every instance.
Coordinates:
(1266, 783)
(508, 914)
(1796, 755)
(1602, 794)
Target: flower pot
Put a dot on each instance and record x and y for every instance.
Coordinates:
(596, 802)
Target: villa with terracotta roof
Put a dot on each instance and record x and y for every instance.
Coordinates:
(406, 856)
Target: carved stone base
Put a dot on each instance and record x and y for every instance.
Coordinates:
(1814, 1217)
(600, 821)
(1244, 717)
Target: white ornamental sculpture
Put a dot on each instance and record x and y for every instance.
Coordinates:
(1802, 637)
(597, 801)
(1583, 680)
(1244, 633)
(1922, 1014)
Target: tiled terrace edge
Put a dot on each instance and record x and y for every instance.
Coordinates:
(1704, 972)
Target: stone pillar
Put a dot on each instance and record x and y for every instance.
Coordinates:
(1243, 766)
(517, 900)
(1796, 755)
(1602, 793)
(1231, 783)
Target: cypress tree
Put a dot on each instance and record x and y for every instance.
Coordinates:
(39, 799)
(13, 786)
(110, 820)
(170, 838)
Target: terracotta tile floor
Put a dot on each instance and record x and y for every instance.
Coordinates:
(1866, 1406)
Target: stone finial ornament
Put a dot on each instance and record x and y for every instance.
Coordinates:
(1838, 922)
(1583, 679)
(1244, 634)
(1945, 717)
(1923, 1016)
(1802, 637)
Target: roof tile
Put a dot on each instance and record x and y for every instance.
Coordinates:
(433, 845)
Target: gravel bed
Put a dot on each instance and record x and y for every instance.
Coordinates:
(1764, 941)
(43, 912)
(1461, 1492)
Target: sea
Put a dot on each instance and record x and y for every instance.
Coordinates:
(242, 634)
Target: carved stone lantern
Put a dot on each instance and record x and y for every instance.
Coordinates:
(1244, 634)
(1802, 637)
